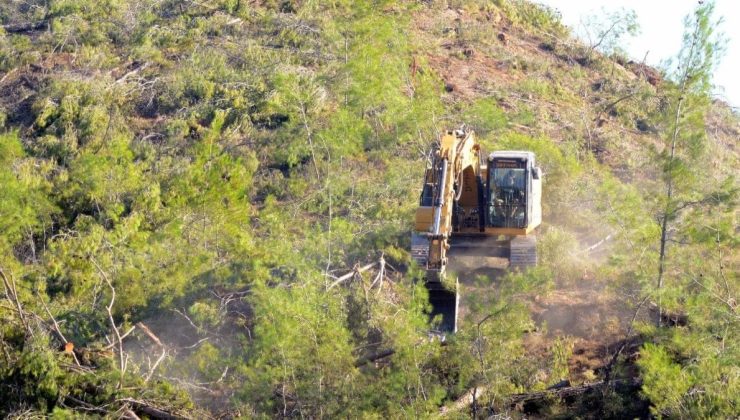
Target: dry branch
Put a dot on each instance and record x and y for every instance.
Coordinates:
(467, 399)
(382, 264)
(615, 356)
(68, 347)
(156, 363)
(350, 275)
(542, 396)
(109, 308)
(124, 335)
(132, 72)
(76, 403)
(156, 339)
(187, 318)
(129, 415)
(596, 245)
(11, 292)
(149, 333)
(53, 320)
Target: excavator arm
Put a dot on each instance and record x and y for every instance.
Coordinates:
(457, 154)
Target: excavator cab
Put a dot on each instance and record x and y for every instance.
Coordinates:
(514, 191)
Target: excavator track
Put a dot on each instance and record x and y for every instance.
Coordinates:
(523, 252)
(520, 251)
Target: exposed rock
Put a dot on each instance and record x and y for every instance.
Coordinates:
(651, 74)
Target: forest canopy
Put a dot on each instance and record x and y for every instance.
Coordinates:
(185, 184)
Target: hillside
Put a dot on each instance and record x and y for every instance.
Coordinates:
(189, 186)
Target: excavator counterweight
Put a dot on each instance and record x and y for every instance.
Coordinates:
(469, 202)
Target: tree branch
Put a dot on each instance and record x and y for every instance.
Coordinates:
(151, 410)
(124, 335)
(109, 308)
(157, 341)
(11, 292)
(718, 298)
(350, 275)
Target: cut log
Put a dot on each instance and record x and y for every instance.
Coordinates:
(373, 357)
(23, 28)
(463, 402)
(556, 391)
(571, 391)
(144, 407)
(72, 402)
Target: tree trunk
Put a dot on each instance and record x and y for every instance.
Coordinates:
(572, 391)
(668, 211)
(26, 27)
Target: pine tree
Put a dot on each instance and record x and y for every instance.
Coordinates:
(684, 147)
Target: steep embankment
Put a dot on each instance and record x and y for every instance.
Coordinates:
(186, 185)
(556, 89)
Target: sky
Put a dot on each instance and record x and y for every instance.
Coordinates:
(661, 32)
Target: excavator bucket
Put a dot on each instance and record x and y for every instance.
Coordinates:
(445, 304)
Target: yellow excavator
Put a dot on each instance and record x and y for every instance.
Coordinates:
(484, 205)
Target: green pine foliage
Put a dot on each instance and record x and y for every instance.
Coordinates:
(200, 174)
(695, 290)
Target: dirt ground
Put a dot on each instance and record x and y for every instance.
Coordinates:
(583, 314)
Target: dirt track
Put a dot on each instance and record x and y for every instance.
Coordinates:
(583, 314)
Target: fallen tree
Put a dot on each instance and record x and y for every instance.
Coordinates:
(559, 391)
(573, 391)
(22, 28)
(151, 410)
